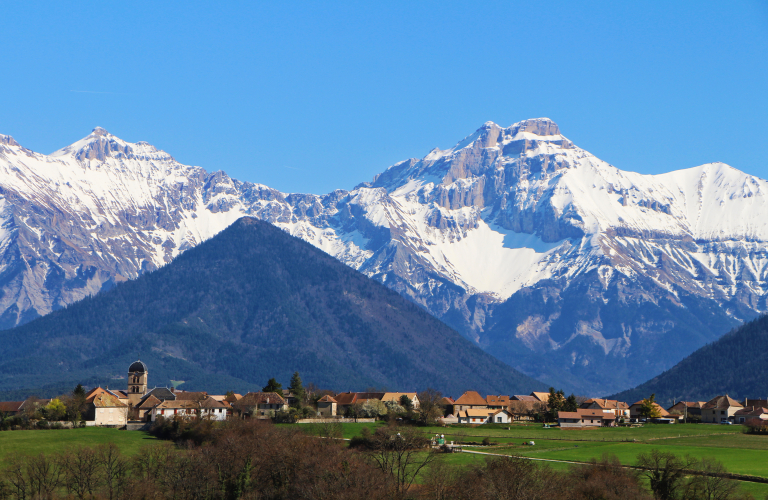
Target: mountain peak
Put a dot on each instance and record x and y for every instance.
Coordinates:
(99, 132)
(537, 126)
(8, 140)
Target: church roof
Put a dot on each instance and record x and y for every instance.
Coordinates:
(138, 366)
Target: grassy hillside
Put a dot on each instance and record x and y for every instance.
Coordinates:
(250, 304)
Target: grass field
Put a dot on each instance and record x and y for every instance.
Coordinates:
(52, 441)
(740, 453)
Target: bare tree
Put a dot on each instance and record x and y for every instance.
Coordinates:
(665, 471)
(80, 467)
(401, 453)
(16, 475)
(113, 468)
(430, 406)
(711, 484)
(44, 475)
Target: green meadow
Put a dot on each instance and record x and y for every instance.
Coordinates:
(51, 441)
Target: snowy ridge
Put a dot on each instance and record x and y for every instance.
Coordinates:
(460, 231)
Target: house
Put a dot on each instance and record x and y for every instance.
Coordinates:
(259, 404)
(525, 409)
(497, 402)
(518, 397)
(144, 408)
(326, 407)
(11, 407)
(190, 396)
(750, 414)
(345, 400)
(474, 416)
(719, 409)
(501, 417)
(104, 409)
(215, 410)
(233, 398)
(470, 400)
(447, 404)
(585, 418)
(619, 409)
(685, 409)
(634, 410)
(395, 396)
(190, 408)
(541, 396)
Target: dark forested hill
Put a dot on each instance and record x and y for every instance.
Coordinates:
(736, 364)
(250, 304)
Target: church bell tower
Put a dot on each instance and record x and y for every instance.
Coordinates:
(137, 381)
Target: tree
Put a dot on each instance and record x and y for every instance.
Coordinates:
(373, 408)
(555, 404)
(406, 402)
(401, 453)
(571, 404)
(273, 386)
(649, 408)
(55, 410)
(297, 389)
(711, 485)
(430, 406)
(665, 472)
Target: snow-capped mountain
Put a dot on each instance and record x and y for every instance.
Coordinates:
(562, 265)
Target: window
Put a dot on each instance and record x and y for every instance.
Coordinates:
(722, 412)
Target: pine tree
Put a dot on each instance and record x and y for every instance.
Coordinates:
(297, 388)
(273, 386)
(571, 404)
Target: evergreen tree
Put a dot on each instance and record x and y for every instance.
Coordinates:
(273, 386)
(406, 402)
(297, 388)
(555, 404)
(79, 391)
(571, 404)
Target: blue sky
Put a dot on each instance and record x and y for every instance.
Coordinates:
(310, 97)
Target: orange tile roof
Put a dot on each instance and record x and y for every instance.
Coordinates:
(106, 400)
(326, 399)
(471, 398)
(541, 396)
(721, 402)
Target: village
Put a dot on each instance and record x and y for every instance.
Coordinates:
(137, 407)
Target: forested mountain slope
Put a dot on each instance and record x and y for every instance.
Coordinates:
(736, 365)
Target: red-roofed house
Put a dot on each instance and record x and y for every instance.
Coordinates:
(326, 406)
(584, 417)
(720, 409)
(470, 400)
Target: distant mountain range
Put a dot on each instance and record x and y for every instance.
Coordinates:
(250, 304)
(565, 267)
(736, 365)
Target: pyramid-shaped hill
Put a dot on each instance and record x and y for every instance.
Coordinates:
(250, 304)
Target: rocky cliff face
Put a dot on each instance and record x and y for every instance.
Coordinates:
(566, 267)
